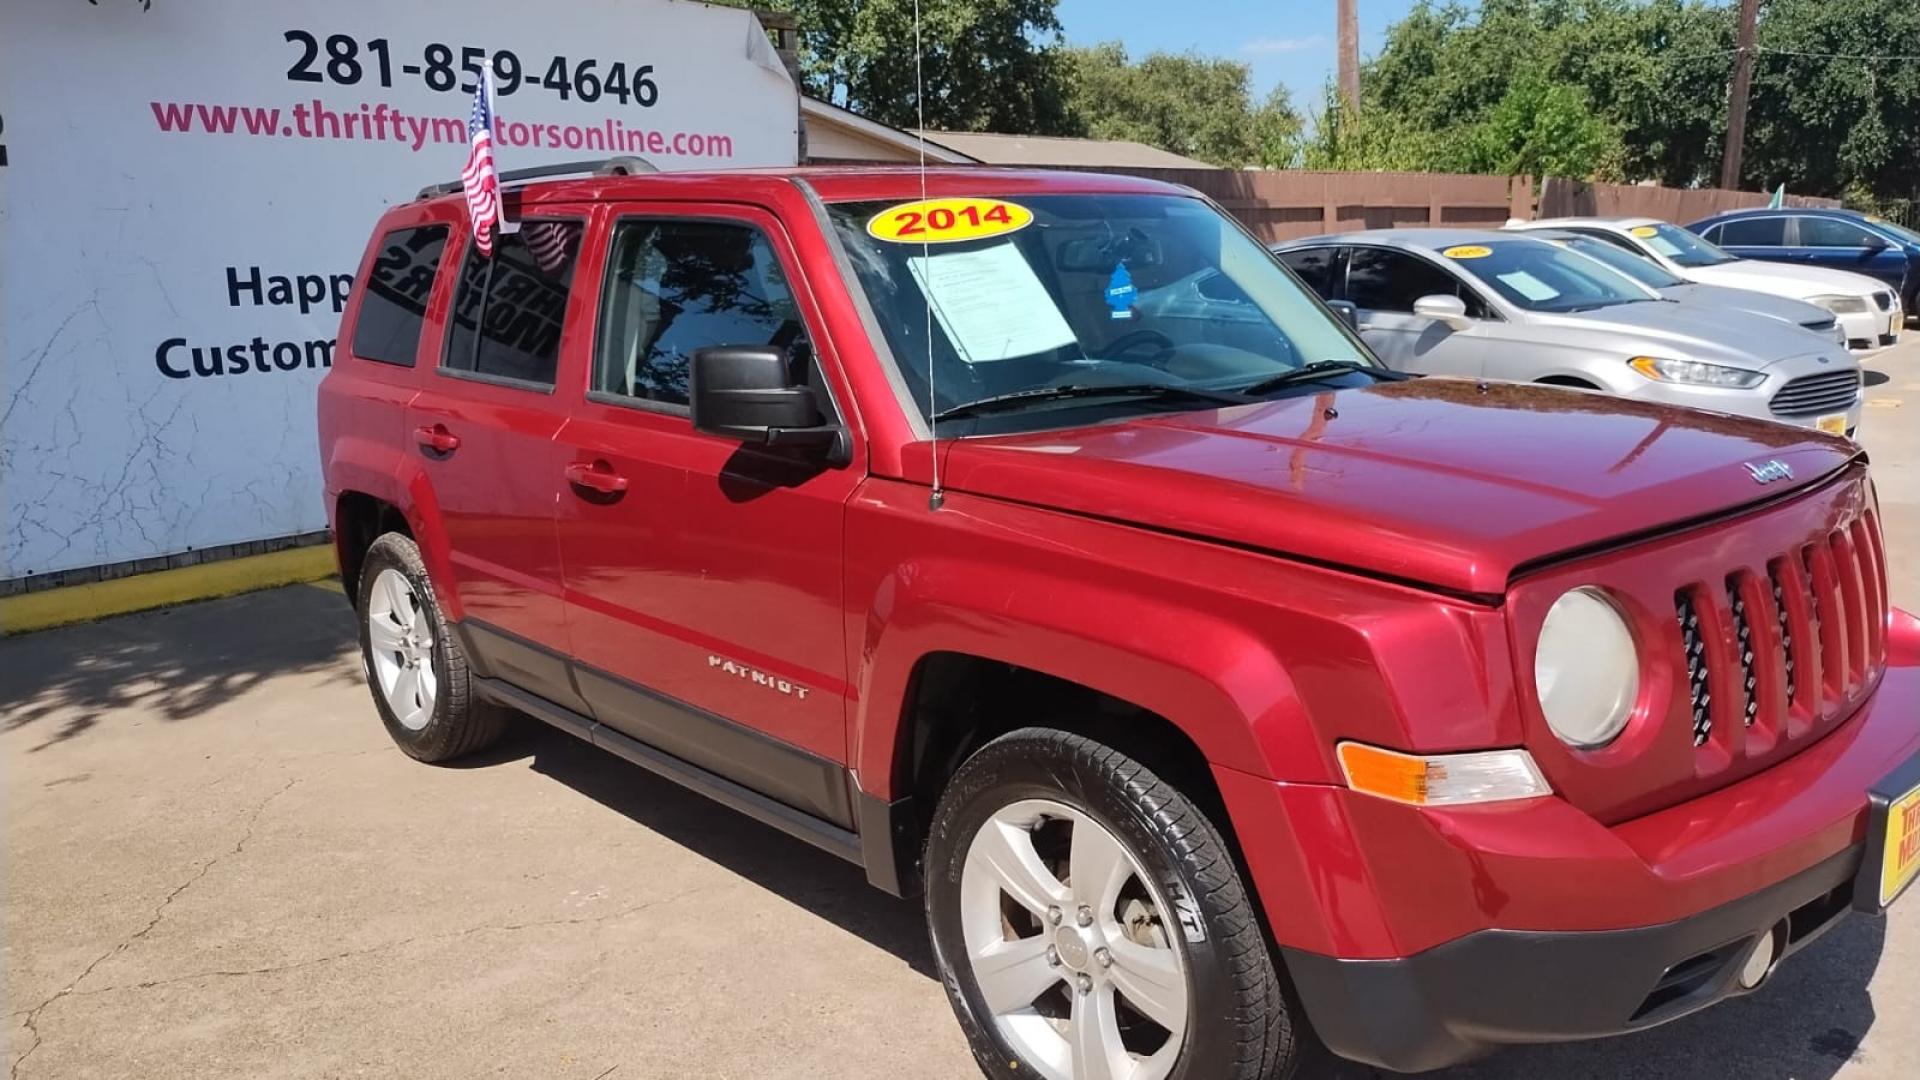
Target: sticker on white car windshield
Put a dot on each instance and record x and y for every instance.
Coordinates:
(1467, 251)
(991, 304)
(1644, 231)
(1529, 286)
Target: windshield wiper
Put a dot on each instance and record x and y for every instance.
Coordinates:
(1319, 369)
(1020, 399)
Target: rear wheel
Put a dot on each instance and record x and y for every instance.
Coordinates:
(413, 664)
(1090, 924)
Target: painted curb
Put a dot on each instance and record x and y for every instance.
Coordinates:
(43, 610)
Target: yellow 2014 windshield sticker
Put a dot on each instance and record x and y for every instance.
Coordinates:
(945, 221)
(1467, 251)
(1644, 231)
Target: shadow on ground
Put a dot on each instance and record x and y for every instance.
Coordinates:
(1805, 1025)
(176, 663)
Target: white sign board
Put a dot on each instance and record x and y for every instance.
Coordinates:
(186, 192)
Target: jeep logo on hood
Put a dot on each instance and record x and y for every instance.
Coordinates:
(1768, 471)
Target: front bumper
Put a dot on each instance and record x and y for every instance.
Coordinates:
(1496, 987)
(1422, 937)
(1872, 328)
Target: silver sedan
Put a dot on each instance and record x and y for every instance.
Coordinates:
(1497, 305)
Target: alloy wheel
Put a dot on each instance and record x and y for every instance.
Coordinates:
(400, 649)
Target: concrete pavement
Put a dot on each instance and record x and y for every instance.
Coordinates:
(218, 866)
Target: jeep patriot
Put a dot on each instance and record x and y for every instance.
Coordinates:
(1039, 544)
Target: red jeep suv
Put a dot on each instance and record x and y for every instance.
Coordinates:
(1041, 545)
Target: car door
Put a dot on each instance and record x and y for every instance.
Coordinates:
(1382, 284)
(484, 428)
(703, 577)
(1845, 245)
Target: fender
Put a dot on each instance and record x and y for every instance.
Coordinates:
(422, 509)
(1214, 681)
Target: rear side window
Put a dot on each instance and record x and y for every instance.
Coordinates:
(673, 287)
(510, 309)
(393, 306)
(1754, 232)
(1314, 266)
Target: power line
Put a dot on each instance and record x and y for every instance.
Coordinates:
(1838, 56)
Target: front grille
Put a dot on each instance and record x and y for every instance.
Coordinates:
(1884, 300)
(1806, 633)
(1828, 391)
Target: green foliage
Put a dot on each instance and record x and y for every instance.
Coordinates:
(1637, 89)
(1182, 102)
(986, 65)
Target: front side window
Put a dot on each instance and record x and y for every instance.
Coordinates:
(510, 308)
(393, 305)
(1754, 232)
(1831, 232)
(1539, 276)
(1383, 280)
(673, 287)
(1035, 294)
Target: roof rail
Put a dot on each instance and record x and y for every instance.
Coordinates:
(613, 166)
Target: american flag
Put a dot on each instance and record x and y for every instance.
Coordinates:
(481, 183)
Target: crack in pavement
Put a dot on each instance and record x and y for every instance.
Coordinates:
(275, 969)
(159, 913)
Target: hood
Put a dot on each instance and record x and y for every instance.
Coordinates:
(1444, 482)
(1776, 307)
(1785, 279)
(1686, 332)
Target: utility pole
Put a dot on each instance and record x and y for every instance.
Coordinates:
(1350, 55)
(1737, 95)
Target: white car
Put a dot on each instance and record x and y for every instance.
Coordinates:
(1864, 306)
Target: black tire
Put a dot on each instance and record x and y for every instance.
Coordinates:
(459, 724)
(1241, 1025)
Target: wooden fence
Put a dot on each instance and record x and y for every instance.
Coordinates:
(1286, 204)
(1575, 198)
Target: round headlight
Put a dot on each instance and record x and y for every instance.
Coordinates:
(1586, 669)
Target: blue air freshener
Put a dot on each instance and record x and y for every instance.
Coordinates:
(1120, 292)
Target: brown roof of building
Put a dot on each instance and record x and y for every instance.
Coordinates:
(1045, 150)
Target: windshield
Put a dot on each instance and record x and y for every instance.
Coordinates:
(1620, 260)
(1676, 243)
(1539, 276)
(1899, 231)
(1033, 293)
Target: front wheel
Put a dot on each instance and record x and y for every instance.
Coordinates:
(1089, 923)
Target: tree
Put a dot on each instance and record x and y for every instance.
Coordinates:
(1545, 128)
(1184, 103)
(985, 65)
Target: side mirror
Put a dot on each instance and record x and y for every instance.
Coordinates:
(1347, 312)
(1447, 309)
(747, 393)
(1876, 244)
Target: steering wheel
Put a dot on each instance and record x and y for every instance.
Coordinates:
(1134, 339)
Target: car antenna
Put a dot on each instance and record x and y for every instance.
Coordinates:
(937, 496)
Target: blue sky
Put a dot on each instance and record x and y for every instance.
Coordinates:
(1287, 42)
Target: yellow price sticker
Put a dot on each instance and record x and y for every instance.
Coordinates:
(946, 221)
(1467, 251)
(1644, 231)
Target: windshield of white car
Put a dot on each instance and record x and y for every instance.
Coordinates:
(1031, 293)
(1539, 276)
(1644, 271)
(1676, 243)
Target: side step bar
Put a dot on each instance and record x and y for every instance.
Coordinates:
(827, 837)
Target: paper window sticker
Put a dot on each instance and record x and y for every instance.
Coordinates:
(1529, 286)
(1121, 293)
(991, 304)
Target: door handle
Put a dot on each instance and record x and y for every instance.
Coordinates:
(437, 438)
(596, 476)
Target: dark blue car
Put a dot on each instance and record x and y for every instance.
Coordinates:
(1840, 239)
